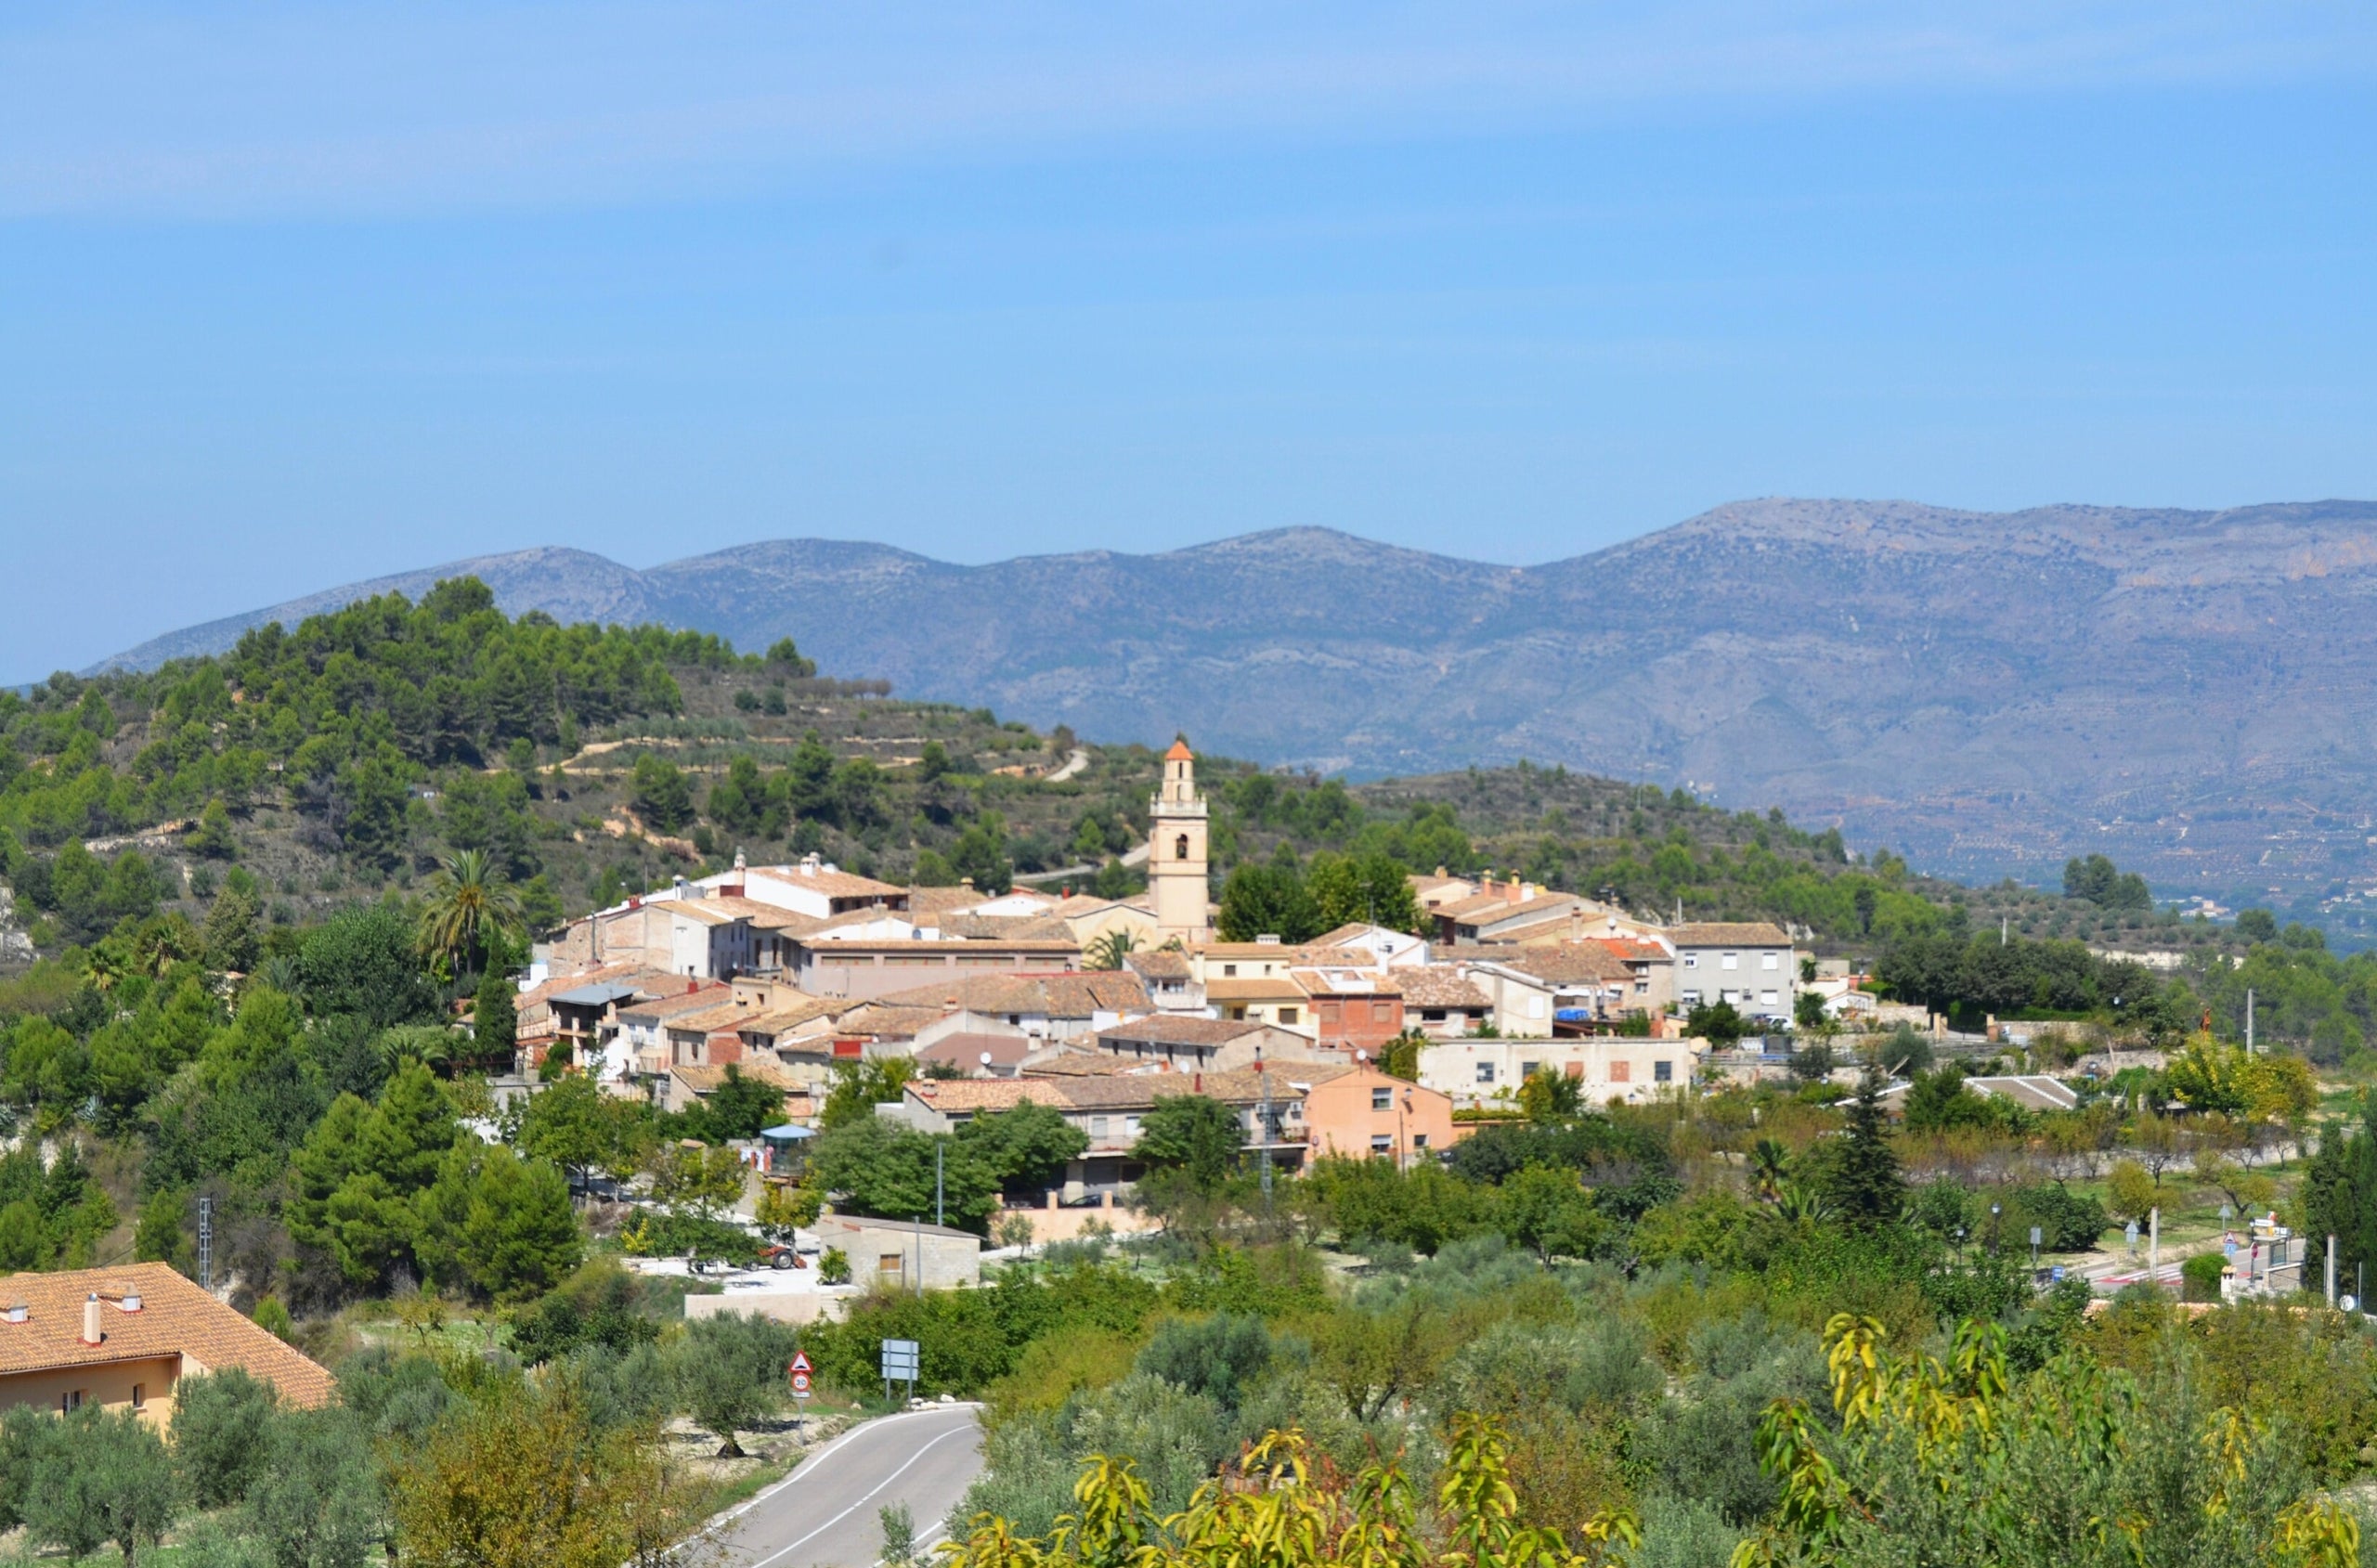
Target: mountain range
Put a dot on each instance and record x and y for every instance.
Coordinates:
(2191, 692)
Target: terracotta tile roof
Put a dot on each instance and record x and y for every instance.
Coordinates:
(1438, 985)
(832, 882)
(175, 1316)
(1560, 964)
(1729, 933)
(1067, 994)
(1627, 950)
(1007, 928)
(702, 1079)
(941, 900)
(1497, 911)
(1064, 1061)
(884, 1020)
(1171, 1030)
(965, 1051)
(764, 916)
(976, 992)
(1166, 964)
(725, 1016)
(778, 1020)
(982, 1094)
(662, 1009)
(1138, 1091)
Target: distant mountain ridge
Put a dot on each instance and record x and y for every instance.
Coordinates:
(2193, 691)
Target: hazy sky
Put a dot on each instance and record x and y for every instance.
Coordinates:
(292, 294)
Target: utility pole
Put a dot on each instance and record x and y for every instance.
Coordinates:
(2249, 1021)
(2003, 922)
(939, 1149)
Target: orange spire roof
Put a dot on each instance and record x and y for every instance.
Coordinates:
(1180, 752)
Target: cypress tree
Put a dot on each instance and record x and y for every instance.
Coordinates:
(1863, 1182)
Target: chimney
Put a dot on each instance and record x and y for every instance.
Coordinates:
(692, 985)
(92, 1333)
(683, 888)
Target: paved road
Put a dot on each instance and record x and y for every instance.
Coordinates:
(824, 1514)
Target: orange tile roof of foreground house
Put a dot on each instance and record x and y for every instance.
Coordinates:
(175, 1318)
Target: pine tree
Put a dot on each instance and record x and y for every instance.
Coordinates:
(1864, 1183)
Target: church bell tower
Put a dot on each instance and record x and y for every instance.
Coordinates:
(1176, 849)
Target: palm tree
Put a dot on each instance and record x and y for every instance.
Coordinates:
(1804, 1206)
(470, 906)
(426, 1043)
(1768, 1165)
(1109, 950)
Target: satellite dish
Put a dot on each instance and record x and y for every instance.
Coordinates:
(2348, 1301)
(986, 1058)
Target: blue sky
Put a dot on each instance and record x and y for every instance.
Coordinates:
(291, 295)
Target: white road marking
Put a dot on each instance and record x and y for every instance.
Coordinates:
(794, 1546)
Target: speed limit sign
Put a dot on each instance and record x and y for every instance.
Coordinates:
(800, 1370)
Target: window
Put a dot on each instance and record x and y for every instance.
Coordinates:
(1485, 1072)
(1692, 961)
(891, 1263)
(1327, 1011)
(1662, 1072)
(69, 1402)
(1621, 1072)
(1770, 960)
(140, 1396)
(1432, 1014)
(1382, 1011)
(1733, 961)
(1382, 1144)
(1642, 988)
(1528, 1069)
(1691, 999)
(1290, 1015)
(1382, 1100)
(1230, 971)
(1419, 1140)
(1097, 1126)
(1180, 848)
(1768, 999)
(1131, 1125)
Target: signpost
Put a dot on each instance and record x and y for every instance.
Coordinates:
(799, 1373)
(900, 1364)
